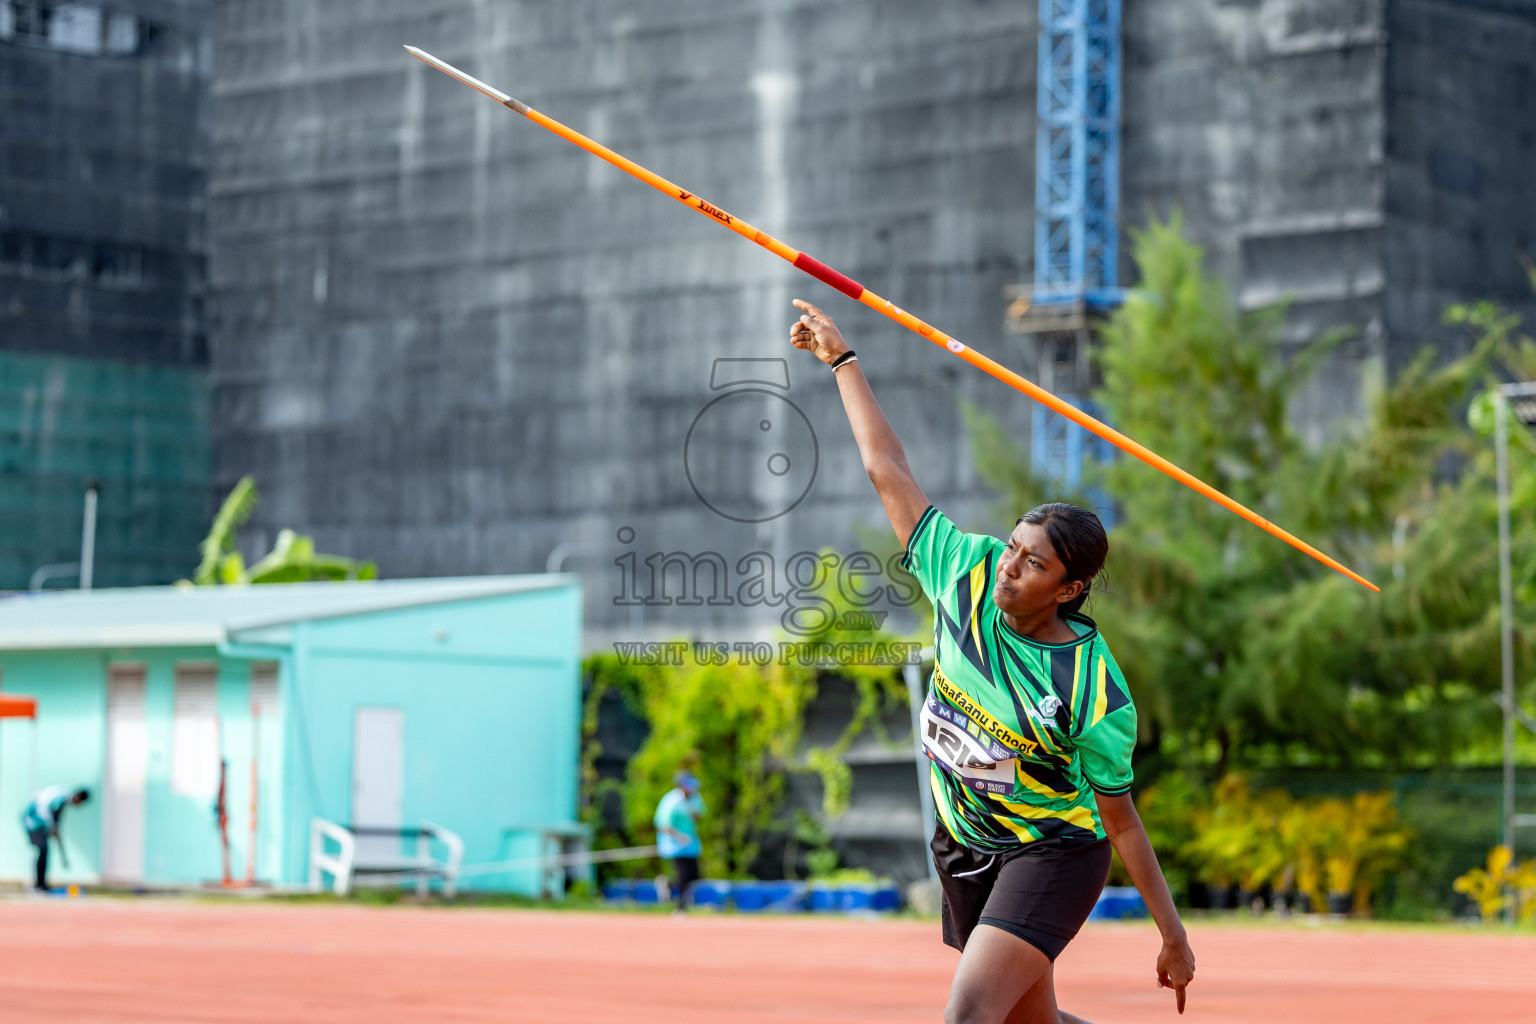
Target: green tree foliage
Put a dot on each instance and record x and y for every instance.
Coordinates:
(293, 558)
(732, 724)
(1239, 648)
(739, 727)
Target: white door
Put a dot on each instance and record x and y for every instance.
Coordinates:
(378, 780)
(195, 747)
(122, 813)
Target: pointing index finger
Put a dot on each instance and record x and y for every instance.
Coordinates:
(813, 310)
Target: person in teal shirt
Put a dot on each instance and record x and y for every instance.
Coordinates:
(41, 818)
(677, 832)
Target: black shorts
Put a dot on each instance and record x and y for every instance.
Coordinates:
(1041, 892)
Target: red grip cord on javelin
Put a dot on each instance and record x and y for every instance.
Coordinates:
(825, 274)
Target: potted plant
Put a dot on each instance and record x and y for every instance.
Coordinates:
(1523, 880)
(1303, 873)
(1362, 842)
(1340, 858)
(1485, 886)
(1381, 843)
(1263, 850)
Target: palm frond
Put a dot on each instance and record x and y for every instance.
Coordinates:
(237, 508)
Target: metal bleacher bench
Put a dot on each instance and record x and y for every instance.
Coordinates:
(347, 867)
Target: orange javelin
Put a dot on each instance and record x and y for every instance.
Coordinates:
(851, 288)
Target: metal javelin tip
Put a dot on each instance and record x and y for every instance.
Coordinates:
(469, 80)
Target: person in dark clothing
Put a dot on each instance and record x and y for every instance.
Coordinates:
(677, 832)
(41, 821)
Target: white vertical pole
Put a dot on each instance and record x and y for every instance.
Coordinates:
(1506, 601)
(88, 538)
(915, 697)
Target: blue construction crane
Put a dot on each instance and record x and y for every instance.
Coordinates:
(1077, 154)
(1077, 198)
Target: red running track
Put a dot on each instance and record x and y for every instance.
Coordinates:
(97, 960)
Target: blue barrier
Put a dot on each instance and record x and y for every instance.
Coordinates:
(853, 898)
(1118, 902)
(822, 899)
(858, 899)
(765, 897)
(710, 892)
(775, 897)
(631, 890)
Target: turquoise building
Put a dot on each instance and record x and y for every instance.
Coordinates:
(383, 703)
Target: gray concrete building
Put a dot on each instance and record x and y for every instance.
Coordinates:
(103, 340)
(451, 342)
(1369, 160)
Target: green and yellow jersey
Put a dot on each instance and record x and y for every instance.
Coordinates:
(1021, 734)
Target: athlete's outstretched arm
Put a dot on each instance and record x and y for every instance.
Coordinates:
(1176, 962)
(884, 460)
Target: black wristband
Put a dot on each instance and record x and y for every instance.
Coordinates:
(840, 360)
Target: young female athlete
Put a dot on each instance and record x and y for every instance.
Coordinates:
(1029, 726)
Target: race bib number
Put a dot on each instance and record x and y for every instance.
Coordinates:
(965, 750)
